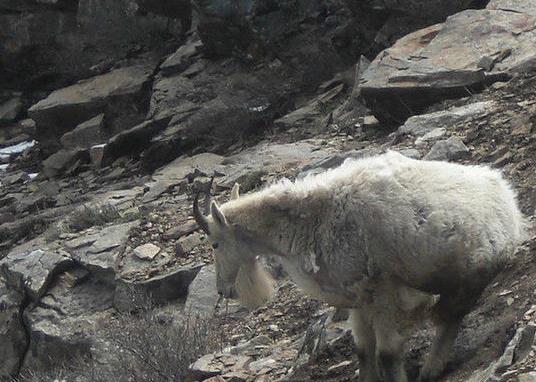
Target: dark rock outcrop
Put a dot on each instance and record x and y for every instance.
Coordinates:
(53, 43)
(430, 9)
(109, 93)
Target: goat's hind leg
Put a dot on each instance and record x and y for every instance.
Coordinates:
(447, 315)
(390, 350)
(366, 345)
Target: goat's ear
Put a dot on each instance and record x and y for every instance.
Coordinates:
(217, 215)
(235, 192)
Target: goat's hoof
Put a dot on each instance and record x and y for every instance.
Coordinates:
(427, 375)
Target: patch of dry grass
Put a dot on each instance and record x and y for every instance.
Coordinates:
(141, 348)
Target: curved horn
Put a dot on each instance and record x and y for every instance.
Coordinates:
(208, 196)
(198, 216)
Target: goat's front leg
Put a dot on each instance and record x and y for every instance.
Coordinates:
(365, 340)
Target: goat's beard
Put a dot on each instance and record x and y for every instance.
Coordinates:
(254, 285)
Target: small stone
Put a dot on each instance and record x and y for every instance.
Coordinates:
(505, 159)
(96, 153)
(449, 149)
(370, 121)
(411, 153)
(189, 243)
(146, 251)
(180, 230)
(521, 125)
(431, 136)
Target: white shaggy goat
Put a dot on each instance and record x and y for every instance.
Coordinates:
(380, 236)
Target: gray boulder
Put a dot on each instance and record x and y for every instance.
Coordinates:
(65, 108)
(169, 285)
(64, 160)
(420, 125)
(85, 135)
(98, 249)
(202, 293)
(469, 50)
(182, 58)
(131, 141)
(447, 150)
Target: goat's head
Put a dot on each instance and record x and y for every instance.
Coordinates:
(238, 274)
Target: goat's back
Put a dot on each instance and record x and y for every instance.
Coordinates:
(429, 223)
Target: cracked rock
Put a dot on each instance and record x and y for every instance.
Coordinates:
(32, 266)
(99, 250)
(66, 322)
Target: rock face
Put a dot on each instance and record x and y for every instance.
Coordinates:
(179, 9)
(434, 9)
(528, 6)
(66, 38)
(469, 50)
(227, 26)
(9, 110)
(59, 327)
(12, 335)
(65, 108)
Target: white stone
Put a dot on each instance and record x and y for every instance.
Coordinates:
(146, 251)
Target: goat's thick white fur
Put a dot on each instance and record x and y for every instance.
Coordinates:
(383, 236)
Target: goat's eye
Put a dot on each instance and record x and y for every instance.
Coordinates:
(215, 245)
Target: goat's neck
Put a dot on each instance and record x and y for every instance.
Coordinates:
(285, 227)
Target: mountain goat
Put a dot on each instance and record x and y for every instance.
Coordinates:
(382, 236)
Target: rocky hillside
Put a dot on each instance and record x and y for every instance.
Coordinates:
(112, 113)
